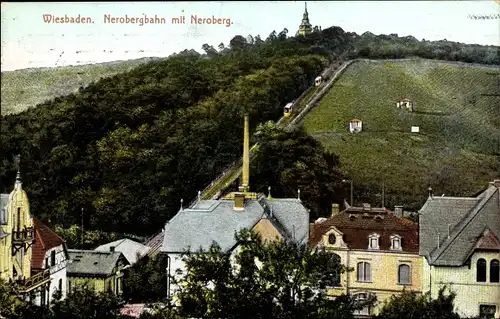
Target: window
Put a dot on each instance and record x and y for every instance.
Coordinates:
(404, 274)
(494, 271)
(60, 285)
(52, 258)
(481, 270)
(373, 242)
(487, 311)
(18, 219)
(360, 299)
(332, 239)
(395, 242)
(364, 272)
(47, 263)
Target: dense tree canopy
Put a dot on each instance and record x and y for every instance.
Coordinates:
(127, 148)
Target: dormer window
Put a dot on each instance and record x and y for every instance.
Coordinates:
(373, 241)
(396, 242)
(332, 239)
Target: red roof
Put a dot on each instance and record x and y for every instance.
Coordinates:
(45, 239)
(356, 230)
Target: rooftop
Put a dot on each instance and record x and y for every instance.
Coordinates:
(94, 263)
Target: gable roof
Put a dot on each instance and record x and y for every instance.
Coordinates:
(129, 248)
(45, 239)
(488, 241)
(210, 221)
(358, 226)
(467, 219)
(93, 263)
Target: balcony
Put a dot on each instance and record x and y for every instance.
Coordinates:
(23, 236)
(35, 281)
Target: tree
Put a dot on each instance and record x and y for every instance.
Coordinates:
(269, 279)
(238, 43)
(13, 307)
(85, 303)
(412, 305)
(146, 281)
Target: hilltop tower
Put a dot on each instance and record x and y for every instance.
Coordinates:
(305, 27)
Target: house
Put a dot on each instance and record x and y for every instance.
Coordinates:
(460, 240)
(318, 81)
(17, 236)
(381, 247)
(50, 253)
(355, 126)
(415, 129)
(406, 103)
(217, 220)
(97, 270)
(132, 250)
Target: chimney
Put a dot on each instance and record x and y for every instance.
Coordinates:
(112, 249)
(430, 192)
(398, 211)
(246, 158)
(239, 201)
(335, 209)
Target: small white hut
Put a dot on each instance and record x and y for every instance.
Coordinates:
(318, 80)
(406, 103)
(415, 129)
(355, 126)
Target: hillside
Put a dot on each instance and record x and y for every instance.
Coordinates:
(25, 88)
(457, 109)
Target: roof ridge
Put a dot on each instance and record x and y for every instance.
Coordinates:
(460, 226)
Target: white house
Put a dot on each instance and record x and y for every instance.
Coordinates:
(460, 240)
(132, 250)
(415, 129)
(216, 221)
(49, 252)
(355, 126)
(405, 103)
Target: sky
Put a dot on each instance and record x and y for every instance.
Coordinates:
(28, 40)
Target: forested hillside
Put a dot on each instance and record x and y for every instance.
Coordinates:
(128, 148)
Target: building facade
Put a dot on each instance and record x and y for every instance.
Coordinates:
(460, 240)
(97, 270)
(17, 236)
(380, 247)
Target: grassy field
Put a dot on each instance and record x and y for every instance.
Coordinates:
(25, 88)
(458, 111)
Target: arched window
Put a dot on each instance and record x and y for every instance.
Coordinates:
(404, 274)
(481, 270)
(364, 272)
(494, 270)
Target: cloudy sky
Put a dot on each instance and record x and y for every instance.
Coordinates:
(28, 40)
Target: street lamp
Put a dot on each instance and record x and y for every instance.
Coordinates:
(349, 180)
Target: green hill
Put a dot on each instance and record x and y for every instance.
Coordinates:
(25, 88)
(458, 113)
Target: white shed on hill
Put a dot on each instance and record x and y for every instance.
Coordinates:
(355, 126)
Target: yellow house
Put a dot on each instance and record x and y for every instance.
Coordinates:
(460, 240)
(97, 270)
(17, 236)
(381, 247)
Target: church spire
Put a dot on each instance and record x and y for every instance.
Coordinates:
(17, 161)
(305, 27)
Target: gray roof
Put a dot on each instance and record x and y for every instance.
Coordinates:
(467, 218)
(4, 200)
(210, 221)
(129, 248)
(94, 263)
